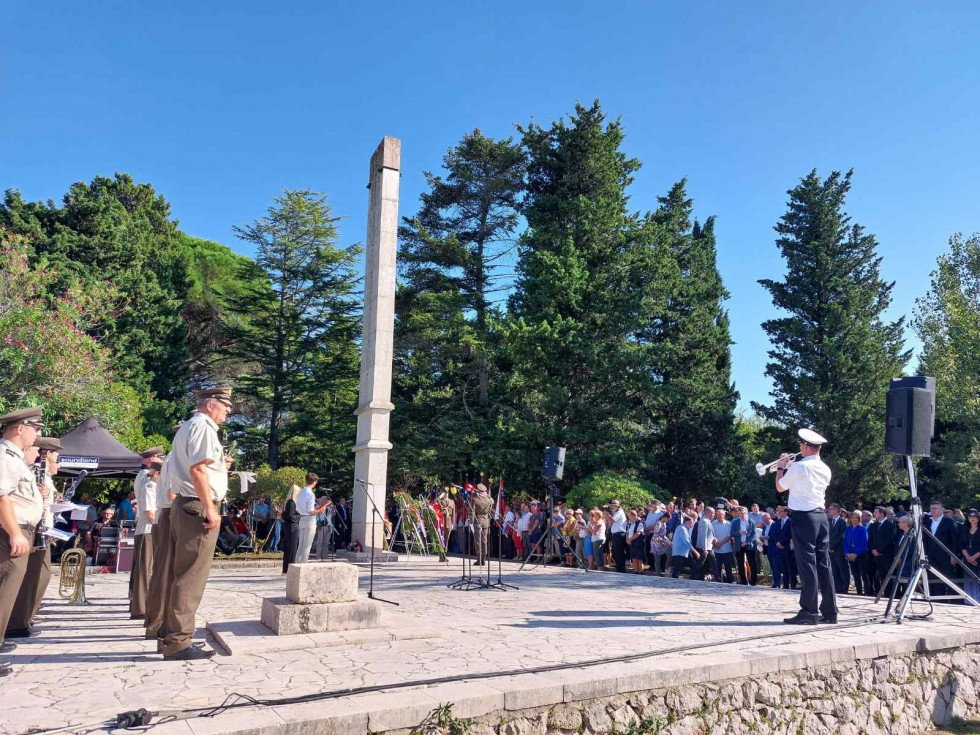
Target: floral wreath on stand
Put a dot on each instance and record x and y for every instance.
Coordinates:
(355, 546)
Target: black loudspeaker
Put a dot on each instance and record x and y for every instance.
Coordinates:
(910, 416)
(553, 466)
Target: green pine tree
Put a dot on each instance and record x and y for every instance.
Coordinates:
(575, 371)
(453, 259)
(834, 353)
(299, 334)
(696, 447)
(947, 321)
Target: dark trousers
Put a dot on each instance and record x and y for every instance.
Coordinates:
(619, 551)
(811, 542)
(724, 561)
(776, 563)
(677, 564)
(842, 575)
(700, 567)
(860, 570)
(881, 564)
(32, 589)
(788, 567)
(290, 544)
(140, 575)
(12, 573)
(751, 556)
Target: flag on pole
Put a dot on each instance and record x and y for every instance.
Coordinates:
(500, 510)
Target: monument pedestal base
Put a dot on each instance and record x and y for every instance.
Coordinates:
(285, 617)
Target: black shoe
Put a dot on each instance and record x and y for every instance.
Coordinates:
(19, 633)
(4, 668)
(824, 620)
(137, 617)
(8, 647)
(191, 653)
(800, 618)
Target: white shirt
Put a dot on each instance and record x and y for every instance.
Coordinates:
(305, 504)
(600, 534)
(807, 480)
(163, 485)
(722, 529)
(17, 483)
(146, 501)
(197, 441)
(934, 524)
(619, 521)
(508, 520)
(525, 522)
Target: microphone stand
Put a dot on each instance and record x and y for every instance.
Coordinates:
(375, 511)
(499, 584)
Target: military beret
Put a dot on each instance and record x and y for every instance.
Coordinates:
(24, 415)
(153, 452)
(221, 393)
(52, 444)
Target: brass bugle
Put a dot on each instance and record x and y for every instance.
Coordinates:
(762, 469)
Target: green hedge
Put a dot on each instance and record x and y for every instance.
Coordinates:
(597, 490)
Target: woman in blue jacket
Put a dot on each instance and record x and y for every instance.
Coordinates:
(856, 551)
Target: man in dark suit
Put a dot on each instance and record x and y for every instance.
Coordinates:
(780, 536)
(945, 530)
(342, 519)
(872, 527)
(838, 561)
(882, 546)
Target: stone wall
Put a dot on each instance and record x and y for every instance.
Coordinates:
(898, 695)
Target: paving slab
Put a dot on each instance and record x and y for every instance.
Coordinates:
(89, 663)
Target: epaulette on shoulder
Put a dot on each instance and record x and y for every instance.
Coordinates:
(10, 452)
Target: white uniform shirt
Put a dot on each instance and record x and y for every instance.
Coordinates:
(807, 480)
(146, 502)
(197, 441)
(49, 501)
(17, 483)
(651, 520)
(305, 504)
(163, 486)
(618, 521)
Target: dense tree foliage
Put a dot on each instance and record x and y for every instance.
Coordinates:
(537, 305)
(453, 257)
(301, 323)
(948, 323)
(833, 354)
(117, 232)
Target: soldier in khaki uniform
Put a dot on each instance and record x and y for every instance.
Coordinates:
(21, 507)
(161, 576)
(482, 507)
(199, 478)
(146, 506)
(138, 498)
(39, 563)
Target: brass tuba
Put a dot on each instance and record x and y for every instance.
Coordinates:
(72, 586)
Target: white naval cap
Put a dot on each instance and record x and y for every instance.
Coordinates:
(811, 437)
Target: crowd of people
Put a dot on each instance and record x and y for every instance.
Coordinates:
(727, 542)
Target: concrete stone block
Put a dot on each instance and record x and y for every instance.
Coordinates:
(285, 617)
(528, 690)
(314, 583)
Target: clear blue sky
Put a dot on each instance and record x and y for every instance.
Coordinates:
(221, 105)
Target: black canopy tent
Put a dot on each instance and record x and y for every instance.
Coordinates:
(89, 444)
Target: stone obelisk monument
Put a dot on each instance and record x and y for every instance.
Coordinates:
(374, 403)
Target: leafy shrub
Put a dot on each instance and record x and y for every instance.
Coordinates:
(598, 489)
(275, 484)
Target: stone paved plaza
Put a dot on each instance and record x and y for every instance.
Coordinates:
(89, 663)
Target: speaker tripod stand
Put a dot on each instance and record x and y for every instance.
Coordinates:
(918, 580)
(554, 534)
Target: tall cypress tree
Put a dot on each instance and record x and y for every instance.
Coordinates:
(575, 366)
(833, 356)
(301, 325)
(451, 258)
(690, 353)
